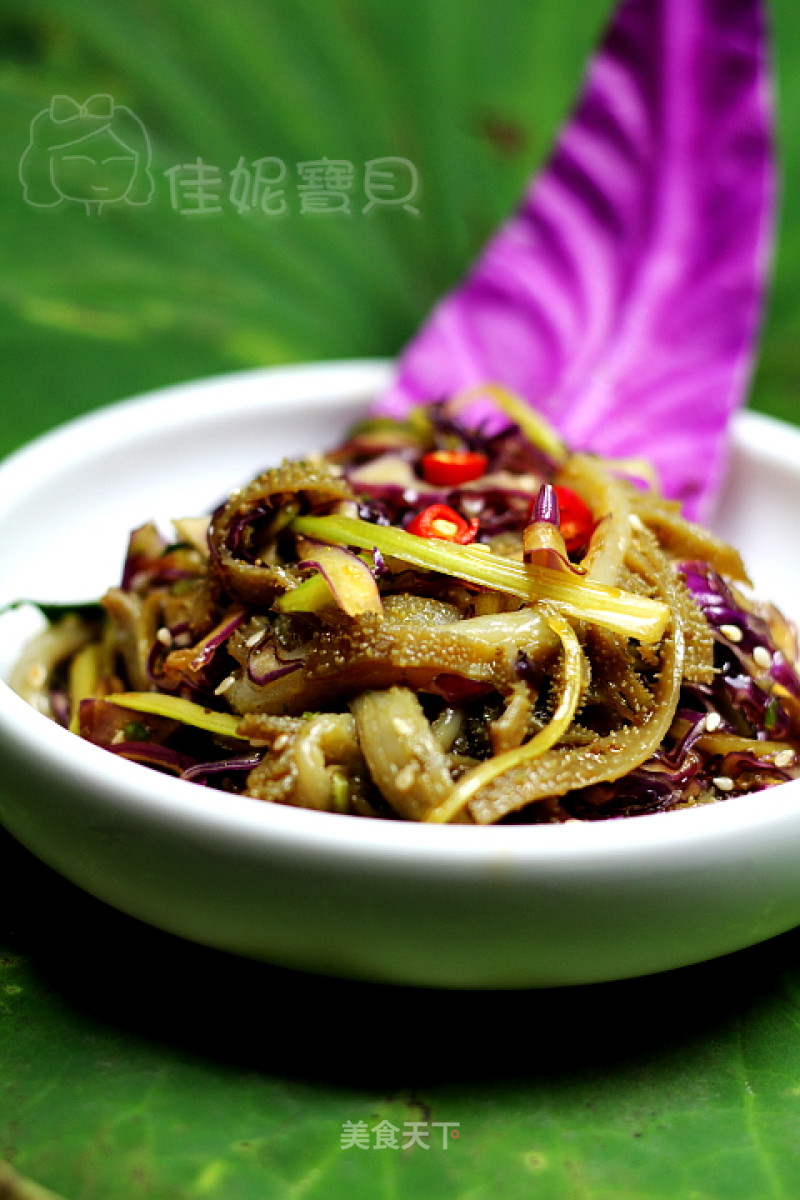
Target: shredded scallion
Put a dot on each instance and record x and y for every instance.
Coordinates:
(622, 612)
(479, 776)
(185, 711)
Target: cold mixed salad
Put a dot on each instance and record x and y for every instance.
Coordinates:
(439, 620)
(450, 617)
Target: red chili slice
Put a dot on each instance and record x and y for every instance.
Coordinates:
(577, 522)
(449, 468)
(441, 521)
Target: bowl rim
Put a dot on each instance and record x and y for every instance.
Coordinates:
(184, 806)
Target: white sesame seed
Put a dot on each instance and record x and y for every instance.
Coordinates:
(280, 743)
(723, 783)
(405, 778)
(164, 636)
(402, 726)
(226, 683)
(713, 721)
(732, 632)
(636, 523)
(37, 674)
(762, 657)
(784, 758)
(254, 638)
(118, 738)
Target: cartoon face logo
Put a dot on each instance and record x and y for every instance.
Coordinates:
(93, 154)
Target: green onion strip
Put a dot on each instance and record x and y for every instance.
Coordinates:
(185, 711)
(622, 612)
(536, 429)
(479, 776)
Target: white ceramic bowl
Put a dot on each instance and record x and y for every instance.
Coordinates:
(451, 906)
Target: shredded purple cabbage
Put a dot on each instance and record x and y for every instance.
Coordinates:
(153, 755)
(199, 772)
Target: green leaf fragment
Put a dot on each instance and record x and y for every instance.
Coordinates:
(136, 731)
(89, 611)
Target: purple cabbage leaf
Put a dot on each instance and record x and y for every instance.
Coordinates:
(622, 300)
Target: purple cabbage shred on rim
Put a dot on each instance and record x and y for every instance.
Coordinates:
(153, 754)
(198, 772)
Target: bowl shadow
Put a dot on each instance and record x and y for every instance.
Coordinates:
(128, 977)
